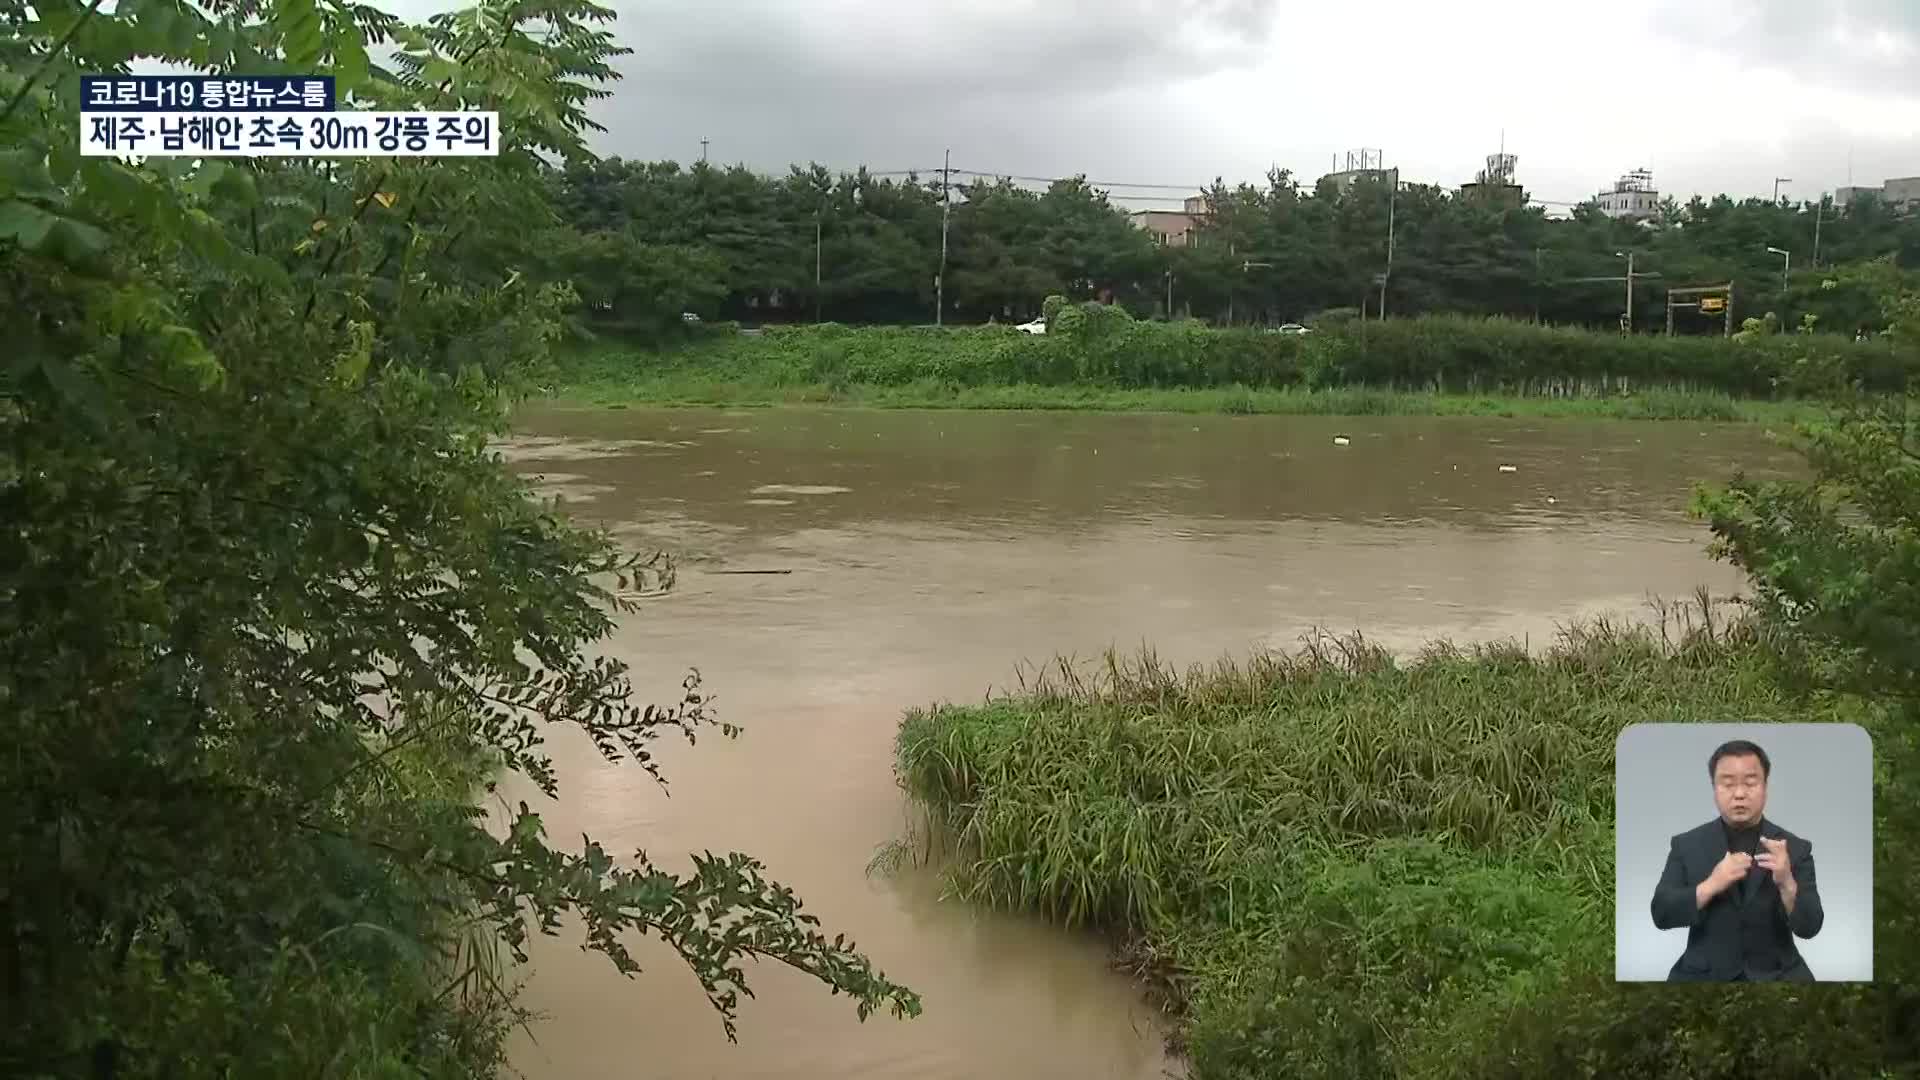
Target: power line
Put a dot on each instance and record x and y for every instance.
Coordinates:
(1105, 185)
(1108, 186)
(1190, 188)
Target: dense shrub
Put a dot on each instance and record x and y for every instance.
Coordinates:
(1100, 345)
(1336, 864)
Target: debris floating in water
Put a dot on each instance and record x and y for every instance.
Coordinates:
(800, 489)
(1341, 440)
(1551, 500)
(1509, 468)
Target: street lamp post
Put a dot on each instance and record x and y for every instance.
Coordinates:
(1777, 181)
(1247, 266)
(1786, 267)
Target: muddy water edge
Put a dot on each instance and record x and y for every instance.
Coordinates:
(926, 555)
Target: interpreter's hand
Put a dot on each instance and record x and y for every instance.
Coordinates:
(1774, 861)
(1730, 869)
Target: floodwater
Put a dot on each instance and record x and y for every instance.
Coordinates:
(928, 554)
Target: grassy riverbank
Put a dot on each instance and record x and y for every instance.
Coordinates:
(1431, 366)
(1333, 864)
(692, 389)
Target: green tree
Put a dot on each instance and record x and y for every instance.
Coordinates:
(1835, 565)
(997, 265)
(1836, 559)
(634, 288)
(270, 610)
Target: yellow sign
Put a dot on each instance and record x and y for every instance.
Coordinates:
(1713, 303)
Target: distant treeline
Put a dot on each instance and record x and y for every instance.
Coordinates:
(649, 240)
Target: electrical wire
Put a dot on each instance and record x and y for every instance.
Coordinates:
(1194, 188)
(1108, 186)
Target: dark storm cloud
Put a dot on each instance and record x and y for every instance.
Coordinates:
(1865, 45)
(726, 48)
(848, 82)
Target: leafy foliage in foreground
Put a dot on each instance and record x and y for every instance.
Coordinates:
(270, 610)
(1835, 560)
(1335, 864)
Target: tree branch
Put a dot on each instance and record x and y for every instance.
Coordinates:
(340, 241)
(53, 53)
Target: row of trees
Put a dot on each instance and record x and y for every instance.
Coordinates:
(855, 247)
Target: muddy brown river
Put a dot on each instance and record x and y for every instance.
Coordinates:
(929, 554)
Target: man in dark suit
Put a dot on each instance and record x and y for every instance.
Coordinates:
(1741, 885)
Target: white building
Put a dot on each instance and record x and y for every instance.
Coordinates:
(1173, 228)
(1900, 194)
(1632, 197)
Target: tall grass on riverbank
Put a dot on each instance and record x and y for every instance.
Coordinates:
(689, 389)
(1336, 864)
(1432, 364)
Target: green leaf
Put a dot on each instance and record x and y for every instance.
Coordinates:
(237, 185)
(63, 160)
(79, 389)
(183, 347)
(349, 61)
(206, 176)
(45, 232)
(350, 366)
(156, 22)
(301, 32)
(24, 174)
(184, 37)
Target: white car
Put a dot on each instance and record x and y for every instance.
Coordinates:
(1037, 326)
(1293, 328)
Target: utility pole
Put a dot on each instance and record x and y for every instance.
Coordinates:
(1629, 277)
(946, 209)
(1536, 286)
(1819, 212)
(1393, 194)
(1232, 282)
(1169, 296)
(1628, 255)
(703, 151)
(816, 266)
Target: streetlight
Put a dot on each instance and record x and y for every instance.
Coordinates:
(1246, 266)
(1786, 266)
(1777, 181)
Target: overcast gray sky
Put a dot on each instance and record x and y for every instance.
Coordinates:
(1713, 95)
